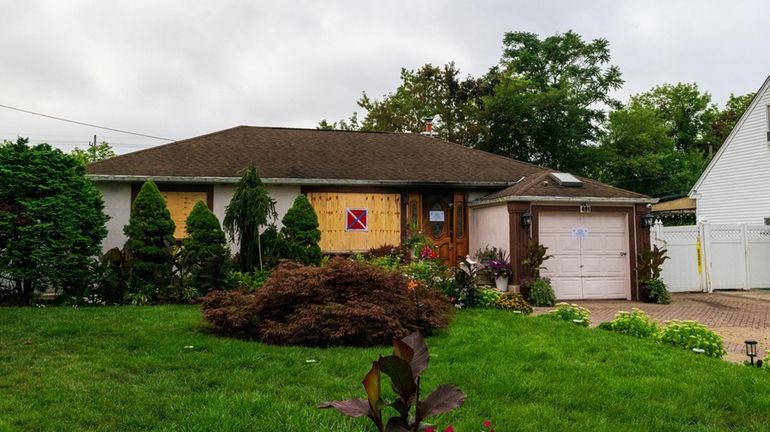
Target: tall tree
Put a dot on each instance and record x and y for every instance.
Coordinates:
(550, 97)
(150, 233)
(724, 122)
(51, 220)
(93, 153)
(250, 208)
(428, 92)
(687, 112)
(639, 154)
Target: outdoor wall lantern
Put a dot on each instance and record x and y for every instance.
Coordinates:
(526, 219)
(648, 220)
(751, 349)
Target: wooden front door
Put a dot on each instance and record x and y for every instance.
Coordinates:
(443, 218)
(437, 224)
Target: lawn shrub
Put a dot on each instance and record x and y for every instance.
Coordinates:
(655, 291)
(487, 297)
(248, 282)
(464, 290)
(390, 255)
(432, 273)
(300, 232)
(205, 250)
(51, 223)
(150, 233)
(114, 275)
(572, 313)
(513, 302)
(540, 292)
(232, 312)
(250, 208)
(690, 334)
(341, 303)
(635, 323)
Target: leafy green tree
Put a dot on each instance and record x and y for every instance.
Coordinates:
(427, 92)
(549, 99)
(250, 208)
(687, 112)
(205, 248)
(725, 120)
(351, 124)
(300, 232)
(51, 220)
(150, 233)
(93, 153)
(640, 154)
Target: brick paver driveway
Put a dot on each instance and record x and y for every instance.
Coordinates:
(736, 316)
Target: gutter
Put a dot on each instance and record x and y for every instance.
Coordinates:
(558, 199)
(295, 181)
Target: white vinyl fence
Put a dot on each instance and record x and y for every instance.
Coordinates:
(707, 257)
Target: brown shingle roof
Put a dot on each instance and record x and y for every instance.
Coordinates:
(284, 153)
(543, 185)
(318, 154)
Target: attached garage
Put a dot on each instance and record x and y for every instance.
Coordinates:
(592, 231)
(589, 254)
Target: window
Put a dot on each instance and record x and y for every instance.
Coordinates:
(180, 204)
(459, 208)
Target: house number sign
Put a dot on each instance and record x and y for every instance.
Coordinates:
(579, 233)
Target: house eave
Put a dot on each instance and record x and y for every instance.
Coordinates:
(557, 199)
(298, 181)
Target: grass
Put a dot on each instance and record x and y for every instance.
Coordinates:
(128, 369)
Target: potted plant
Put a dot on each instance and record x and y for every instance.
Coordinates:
(535, 288)
(500, 266)
(648, 267)
(483, 257)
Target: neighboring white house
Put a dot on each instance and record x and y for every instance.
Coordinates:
(735, 187)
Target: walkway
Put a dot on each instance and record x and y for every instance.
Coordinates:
(735, 315)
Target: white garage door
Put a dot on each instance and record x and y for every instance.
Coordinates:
(589, 254)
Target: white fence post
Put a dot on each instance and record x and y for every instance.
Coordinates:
(704, 234)
(745, 246)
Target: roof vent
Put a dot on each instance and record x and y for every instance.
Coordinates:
(566, 179)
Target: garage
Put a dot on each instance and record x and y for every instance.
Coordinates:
(589, 254)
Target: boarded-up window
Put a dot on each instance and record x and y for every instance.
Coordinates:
(180, 204)
(383, 212)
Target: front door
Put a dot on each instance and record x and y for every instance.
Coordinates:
(437, 224)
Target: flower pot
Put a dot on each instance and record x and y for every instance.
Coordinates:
(501, 283)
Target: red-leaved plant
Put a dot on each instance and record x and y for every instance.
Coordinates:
(403, 367)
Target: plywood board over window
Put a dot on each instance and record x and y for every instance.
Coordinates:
(180, 204)
(383, 213)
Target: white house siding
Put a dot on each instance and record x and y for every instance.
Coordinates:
(735, 188)
(489, 226)
(283, 195)
(117, 205)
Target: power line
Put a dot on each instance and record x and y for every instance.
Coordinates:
(84, 124)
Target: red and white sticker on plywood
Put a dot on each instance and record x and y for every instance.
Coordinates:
(356, 219)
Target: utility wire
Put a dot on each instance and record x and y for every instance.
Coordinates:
(84, 124)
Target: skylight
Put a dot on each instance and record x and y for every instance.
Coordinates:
(566, 179)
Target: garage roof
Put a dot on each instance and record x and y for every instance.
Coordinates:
(542, 185)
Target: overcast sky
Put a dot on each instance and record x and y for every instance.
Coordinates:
(178, 69)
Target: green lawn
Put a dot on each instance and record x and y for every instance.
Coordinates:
(127, 368)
